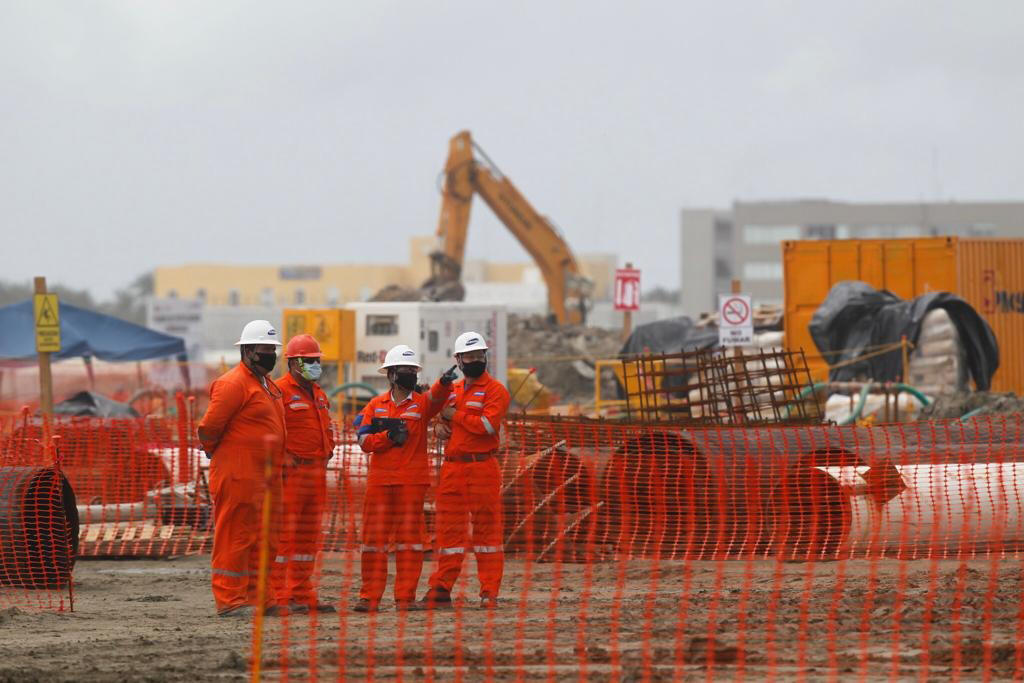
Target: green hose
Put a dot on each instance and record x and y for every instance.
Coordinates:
(898, 386)
(807, 391)
(913, 391)
(971, 413)
(861, 400)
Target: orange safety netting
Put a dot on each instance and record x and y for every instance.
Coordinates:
(657, 553)
(632, 551)
(38, 527)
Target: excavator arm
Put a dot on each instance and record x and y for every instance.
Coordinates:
(465, 175)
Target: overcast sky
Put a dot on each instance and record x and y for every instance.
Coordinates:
(137, 134)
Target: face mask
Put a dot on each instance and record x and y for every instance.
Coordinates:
(474, 369)
(406, 380)
(310, 371)
(267, 361)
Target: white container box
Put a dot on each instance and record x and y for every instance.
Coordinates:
(431, 329)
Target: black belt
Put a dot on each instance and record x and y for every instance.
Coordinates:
(469, 457)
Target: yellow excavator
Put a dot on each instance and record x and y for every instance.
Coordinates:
(470, 171)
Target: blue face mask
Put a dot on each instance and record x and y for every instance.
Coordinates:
(310, 371)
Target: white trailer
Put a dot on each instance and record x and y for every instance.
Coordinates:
(431, 329)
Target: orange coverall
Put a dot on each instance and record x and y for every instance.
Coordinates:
(309, 446)
(470, 486)
(243, 418)
(396, 486)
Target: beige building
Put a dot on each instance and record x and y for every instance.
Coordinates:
(337, 284)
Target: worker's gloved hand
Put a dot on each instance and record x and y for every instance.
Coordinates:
(398, 434)
(449, 376)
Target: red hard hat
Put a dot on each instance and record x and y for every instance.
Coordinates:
(302, 346)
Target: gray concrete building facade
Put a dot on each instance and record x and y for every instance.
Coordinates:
(744, 242)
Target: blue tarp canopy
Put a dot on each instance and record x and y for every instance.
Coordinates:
(84, 333)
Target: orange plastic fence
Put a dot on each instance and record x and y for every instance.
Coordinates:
(632, 552)
(642, 553)
(38, 529)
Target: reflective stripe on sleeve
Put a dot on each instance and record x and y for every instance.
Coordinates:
(475, 404)
(487, 425)
(281, 559)
(303, 558)
(374, 549)
(486, 549)
(453, 551)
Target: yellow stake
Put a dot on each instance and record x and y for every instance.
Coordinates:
(261, 584)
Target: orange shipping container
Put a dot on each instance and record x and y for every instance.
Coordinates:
(987, 273)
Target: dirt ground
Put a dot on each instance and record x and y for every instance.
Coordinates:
(154, 621)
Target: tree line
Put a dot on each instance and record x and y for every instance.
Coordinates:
(128, 303)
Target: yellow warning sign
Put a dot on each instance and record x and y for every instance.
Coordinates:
(47, 316)
(334, 329)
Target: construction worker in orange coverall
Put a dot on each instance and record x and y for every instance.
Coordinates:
(393, 431)
(470, 486)
(309, 446)
(243, 425)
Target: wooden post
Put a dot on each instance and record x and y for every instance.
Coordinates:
(906, 358)
(45, 374)
(627, 319)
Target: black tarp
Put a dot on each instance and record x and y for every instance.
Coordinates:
(87, 403)
(856, 318)
(669, 336)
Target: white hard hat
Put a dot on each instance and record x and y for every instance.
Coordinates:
(400, 355)
(258, 332)
(469, 341)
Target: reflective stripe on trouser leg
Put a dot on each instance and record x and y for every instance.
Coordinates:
(305, 499)
(235, 536)
(409, 533)
(275, 570)
(236, 540)
(235, 561)
(373, 562)
(485, 510)
(452, 523)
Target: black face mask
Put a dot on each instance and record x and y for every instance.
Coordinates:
(267, 361)
(474, 369)
(406, 380)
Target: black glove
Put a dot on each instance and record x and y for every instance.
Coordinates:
(448, 377)
(398, 434)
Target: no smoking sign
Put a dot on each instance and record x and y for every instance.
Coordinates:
(735, 324)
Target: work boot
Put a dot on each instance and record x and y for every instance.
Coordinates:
(275, 611)
(243, 611)
(437, 597)
(409, 606)
(364, 605)
(488, 601)
(319, 608)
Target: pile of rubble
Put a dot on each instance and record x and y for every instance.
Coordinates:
(950, 406)
(563, 355)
